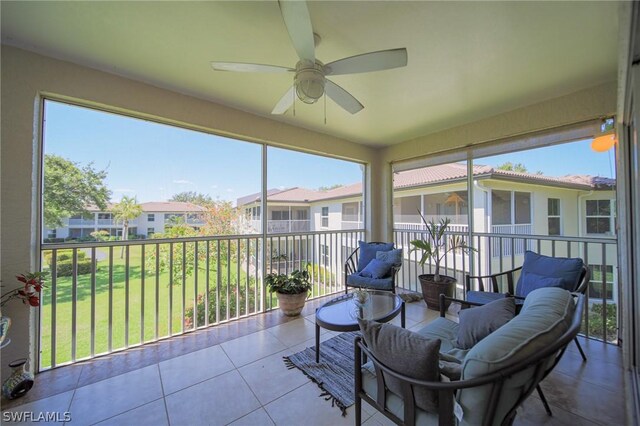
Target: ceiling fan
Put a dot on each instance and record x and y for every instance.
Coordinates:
(310, 82)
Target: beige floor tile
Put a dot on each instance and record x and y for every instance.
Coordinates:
(113, 396)
(252, 347)
(198, 366)
(418, 312)
(269, 378)
(151, 414)
(217, 401)
(54, 404)
(255, 418)
(304, 406)
(295, 332)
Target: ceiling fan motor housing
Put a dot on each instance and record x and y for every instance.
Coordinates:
(309, 81)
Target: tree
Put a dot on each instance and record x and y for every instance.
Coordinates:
(193, 197)
(124, 211)
(509, 166)
(69, 188)
(327, 188)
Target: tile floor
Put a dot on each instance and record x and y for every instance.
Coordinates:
(234, 374)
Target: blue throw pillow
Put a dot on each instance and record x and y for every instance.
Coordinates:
(567, 269)
(368, 252)
(530, 281)
(392, 256)
(376, 269)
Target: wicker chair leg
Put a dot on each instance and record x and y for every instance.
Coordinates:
(584, 357)
(544, 401)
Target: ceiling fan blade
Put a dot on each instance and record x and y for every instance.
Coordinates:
(244, 67)
(285, 102)
(367, 62)
(342, 97)
(298, 22)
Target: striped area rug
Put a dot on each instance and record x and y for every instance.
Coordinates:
(334, 373)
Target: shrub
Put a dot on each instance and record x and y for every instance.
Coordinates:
(233, 294)
(596, 326)
(65, 267)
(63, 255)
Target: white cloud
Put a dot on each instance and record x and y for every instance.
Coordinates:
(129, 190)
(182, 181)
(229, 189)
(214, 186)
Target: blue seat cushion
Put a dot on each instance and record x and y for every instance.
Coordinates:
(356, 280)
(368, 252)
(484, 297)
(567, 269)
(376, 269)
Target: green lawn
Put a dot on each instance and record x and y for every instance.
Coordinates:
(155, 287)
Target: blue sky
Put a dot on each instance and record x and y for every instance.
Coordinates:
(154, 161)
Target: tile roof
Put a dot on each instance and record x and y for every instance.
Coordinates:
(158, 206)
(432, 175)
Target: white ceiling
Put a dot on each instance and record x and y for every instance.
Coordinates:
(467, 60)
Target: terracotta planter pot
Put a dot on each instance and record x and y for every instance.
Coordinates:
(431, 290)
(291, 304)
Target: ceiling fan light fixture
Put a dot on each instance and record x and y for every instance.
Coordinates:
(309, 82)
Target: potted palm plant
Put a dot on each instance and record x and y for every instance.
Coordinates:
(291, 290)
(434, 249)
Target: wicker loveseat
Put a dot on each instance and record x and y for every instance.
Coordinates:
(497, 374)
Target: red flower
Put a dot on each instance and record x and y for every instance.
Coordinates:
(34, 301)
(21, 278)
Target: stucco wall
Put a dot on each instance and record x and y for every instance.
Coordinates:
(25, 76)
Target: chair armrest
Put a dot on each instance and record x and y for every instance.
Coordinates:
(466, 303)
(493, 279)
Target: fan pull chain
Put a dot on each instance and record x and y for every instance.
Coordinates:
(325, 108)
(294, 103)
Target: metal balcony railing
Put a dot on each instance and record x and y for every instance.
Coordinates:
(76, 222)
(103, 297)
(497, 252)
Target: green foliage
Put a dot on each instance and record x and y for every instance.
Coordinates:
(236, 306)
(330, 187)
(596, 325)
(295, 283)
(65, 267)
(193, 197)
(101, 235)
(435, 246)
(62, 255)
(509, 166)
(124, 211)
(69, 188)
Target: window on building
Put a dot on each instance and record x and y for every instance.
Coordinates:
(598, 216)
(150, 231)
(501, 207)
(302, 215)
(105, 216)
(522, 207)
(51, 233)
(280, 215)
(151, 217)
(511, 208)
(595, 283)
(350, 212)
(325, 217)
(324, 255)
(553, 216)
